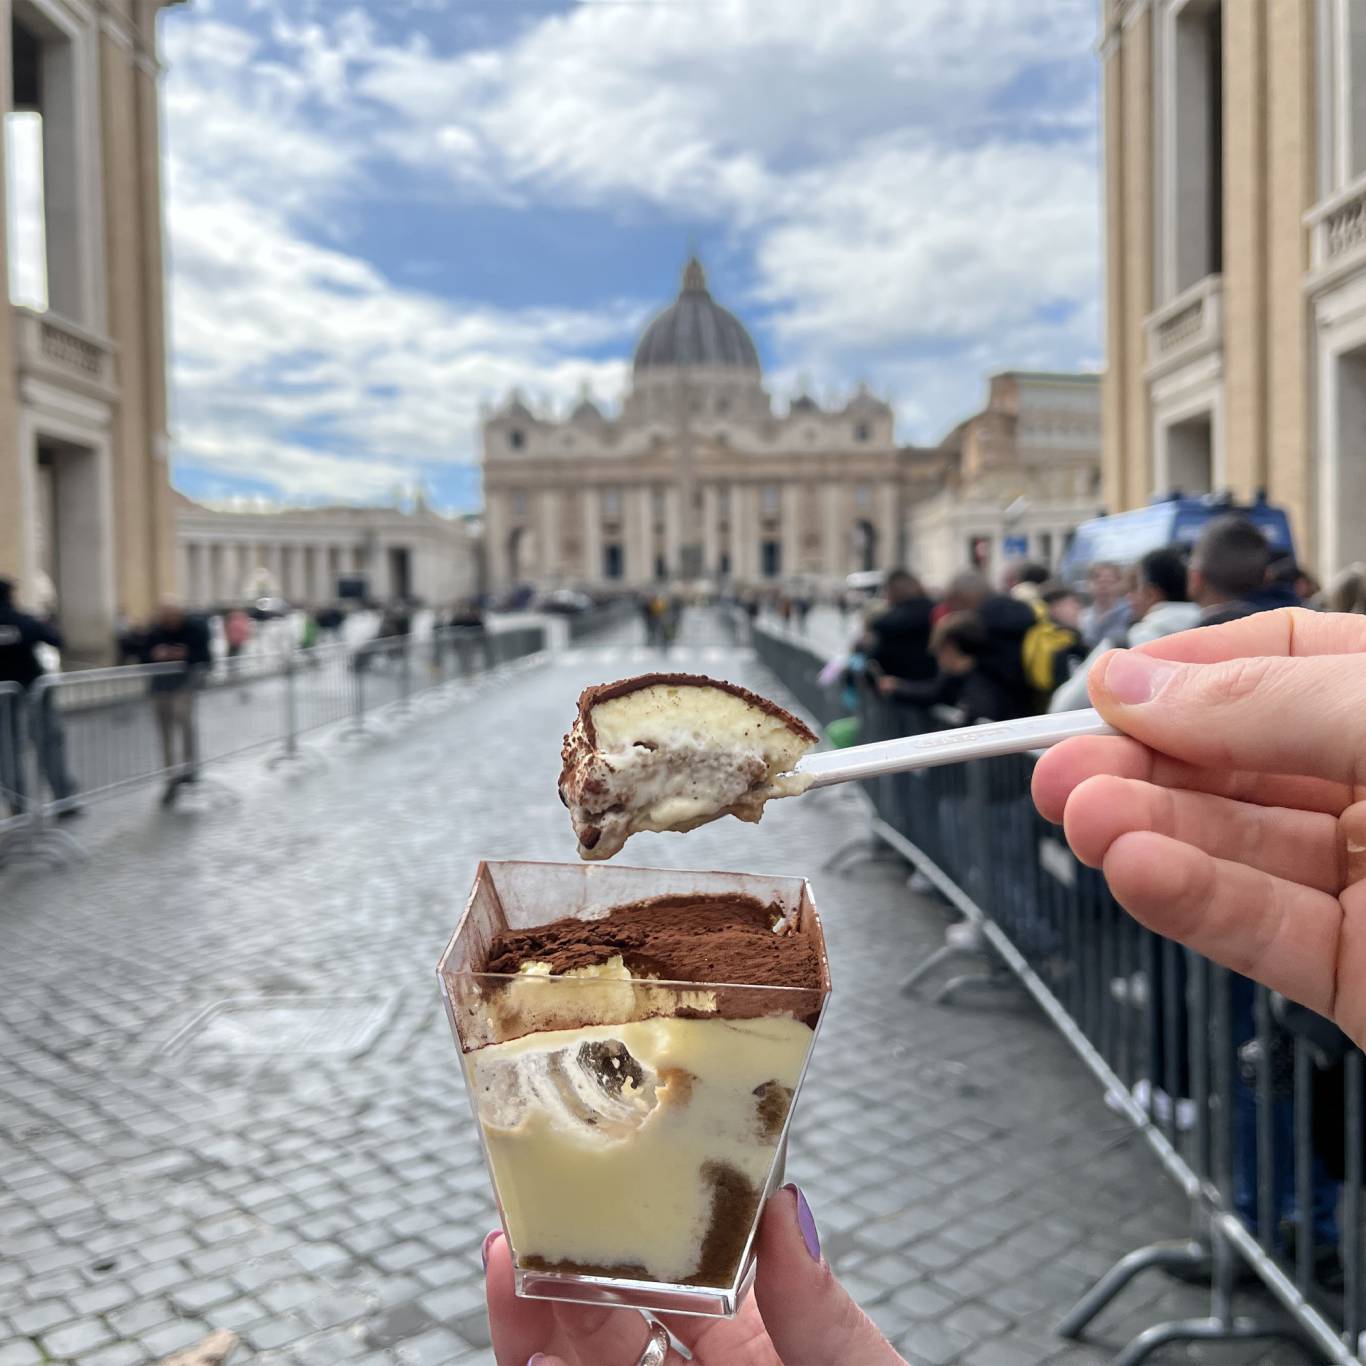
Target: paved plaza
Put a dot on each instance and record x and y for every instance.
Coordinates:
(229, 1097)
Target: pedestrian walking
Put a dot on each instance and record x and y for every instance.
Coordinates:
(177, 638)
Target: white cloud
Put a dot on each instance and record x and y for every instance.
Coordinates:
(915, 185)
(298, 365)
(906, 175)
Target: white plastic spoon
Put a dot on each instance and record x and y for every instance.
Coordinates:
(909, 752)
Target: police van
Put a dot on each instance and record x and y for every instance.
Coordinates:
(1125, 537)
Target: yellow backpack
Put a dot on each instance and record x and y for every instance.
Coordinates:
(1042, 644)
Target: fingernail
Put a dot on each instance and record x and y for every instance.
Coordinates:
(806, 1221)
(1132, 678)
(537, 1359)
(488, 1246)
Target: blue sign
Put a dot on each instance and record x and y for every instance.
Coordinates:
(1015, 547)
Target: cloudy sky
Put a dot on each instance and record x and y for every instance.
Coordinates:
(383, 215)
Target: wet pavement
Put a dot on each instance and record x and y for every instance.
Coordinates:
(229, 1098)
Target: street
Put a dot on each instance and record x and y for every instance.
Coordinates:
(229, 1097)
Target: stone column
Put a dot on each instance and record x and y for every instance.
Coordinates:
(674, 517)
(711, 552)
(1244, 456)
(1290, 122)
(888, 524)
(744, 531)
(790, 536)
(593, 556)
(550, 570)
(635, 516)
(199, 574)
(833, 529)
(1134, 253)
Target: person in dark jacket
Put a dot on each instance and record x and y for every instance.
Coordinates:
(1228, 570)
(900, 636)
(20, 635)
(966, 680)
(1006, 622)
(177, 638)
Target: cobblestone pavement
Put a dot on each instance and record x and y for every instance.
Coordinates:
(313, 1182)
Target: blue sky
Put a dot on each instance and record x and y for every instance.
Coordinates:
(383, 216)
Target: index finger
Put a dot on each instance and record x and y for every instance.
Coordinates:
(1287, 631)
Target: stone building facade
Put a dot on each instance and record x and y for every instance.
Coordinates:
(698, 477)
(1235, 194)
(85, 505)
(228, 556)
(1018, 478)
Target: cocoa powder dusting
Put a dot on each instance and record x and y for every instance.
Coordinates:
(719, 938)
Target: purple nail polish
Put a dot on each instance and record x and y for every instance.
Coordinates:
(488, 1243)
(806, 1221)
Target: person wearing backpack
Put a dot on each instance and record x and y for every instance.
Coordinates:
(1052, 647)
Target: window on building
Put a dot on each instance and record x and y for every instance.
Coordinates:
(1196, 144)
(516, 438)
(44, 184)
(862, 432)
(611, 505)
(519, 504)
(770, 500)
(611, 560)
(1346, 39)
(723, 566)
(1046, 548)
(863, 497)
(661, 569)
(1190, 455)
(771, 559)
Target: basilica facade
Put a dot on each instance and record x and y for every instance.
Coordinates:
(699, 478)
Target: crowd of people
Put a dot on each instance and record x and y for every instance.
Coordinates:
(977, 655)
(188, 646)
(995, 654)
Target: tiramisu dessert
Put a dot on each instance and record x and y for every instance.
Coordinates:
(672, 752)
(632, 1069)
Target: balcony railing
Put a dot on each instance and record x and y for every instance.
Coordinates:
(1190, 326)
(1338, 228)
(58, 351)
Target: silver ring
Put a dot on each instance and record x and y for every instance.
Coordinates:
(657, 1349)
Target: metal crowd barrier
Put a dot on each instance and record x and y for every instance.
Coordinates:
(13, 730)
(1254, 1106)
(600, 618)
(73, 739)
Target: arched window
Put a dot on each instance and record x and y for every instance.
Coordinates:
(516, 439)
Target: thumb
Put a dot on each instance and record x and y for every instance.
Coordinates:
(1302, 715)
(810, 1318)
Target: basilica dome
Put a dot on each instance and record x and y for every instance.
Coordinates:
(696, 330)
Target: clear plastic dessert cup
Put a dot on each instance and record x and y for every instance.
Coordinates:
(632, 1127)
